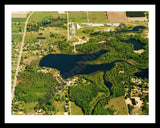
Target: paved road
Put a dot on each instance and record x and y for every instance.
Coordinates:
(17, 70)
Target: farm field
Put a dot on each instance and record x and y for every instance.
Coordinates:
(79, 63)
(117, 16)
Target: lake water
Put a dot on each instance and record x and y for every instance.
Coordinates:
(70, 65)
(144, 73)
(137, 44)
(135, 29)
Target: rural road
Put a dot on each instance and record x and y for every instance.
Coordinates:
(17, 70)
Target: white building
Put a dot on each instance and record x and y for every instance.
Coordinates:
(116, 24)
(78, 26)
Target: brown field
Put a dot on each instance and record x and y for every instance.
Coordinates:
(19, 14)
(140, 19)
(29, 60)
(117, 16)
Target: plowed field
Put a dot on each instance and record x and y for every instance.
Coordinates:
(19, 14)
(117, 16)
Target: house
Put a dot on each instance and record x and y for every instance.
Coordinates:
(121, 71)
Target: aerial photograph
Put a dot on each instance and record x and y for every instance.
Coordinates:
(80, 63)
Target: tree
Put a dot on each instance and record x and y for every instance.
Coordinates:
(130, 108)
(146, 13)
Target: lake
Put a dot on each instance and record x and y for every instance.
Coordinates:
(135, 29)
(70, 65)
(137, 44)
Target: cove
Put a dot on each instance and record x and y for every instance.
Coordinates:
(144, 73)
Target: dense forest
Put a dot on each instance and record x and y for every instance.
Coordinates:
(35, 87)
(84, 93)
(100, 108)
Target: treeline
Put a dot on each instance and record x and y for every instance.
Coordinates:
(87, 47)
(90, 46)
(51, 22)
(64, 47)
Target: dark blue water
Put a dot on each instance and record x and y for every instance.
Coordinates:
(135, 29)
(144, 73)
(137, 44)
(70, 65)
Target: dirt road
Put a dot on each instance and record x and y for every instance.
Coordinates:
(17, 70)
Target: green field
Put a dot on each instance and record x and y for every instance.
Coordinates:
(98, 17)
(119, 105)
(88, 16)
(44, 15)
(75, 110)
(18, 19)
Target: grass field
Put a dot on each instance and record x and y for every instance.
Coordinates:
(76, 110)
(118, 103)
(79, 17)
(97, 17)
(88, 16)
(44, 15)
(59, 107)
(18, 19)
